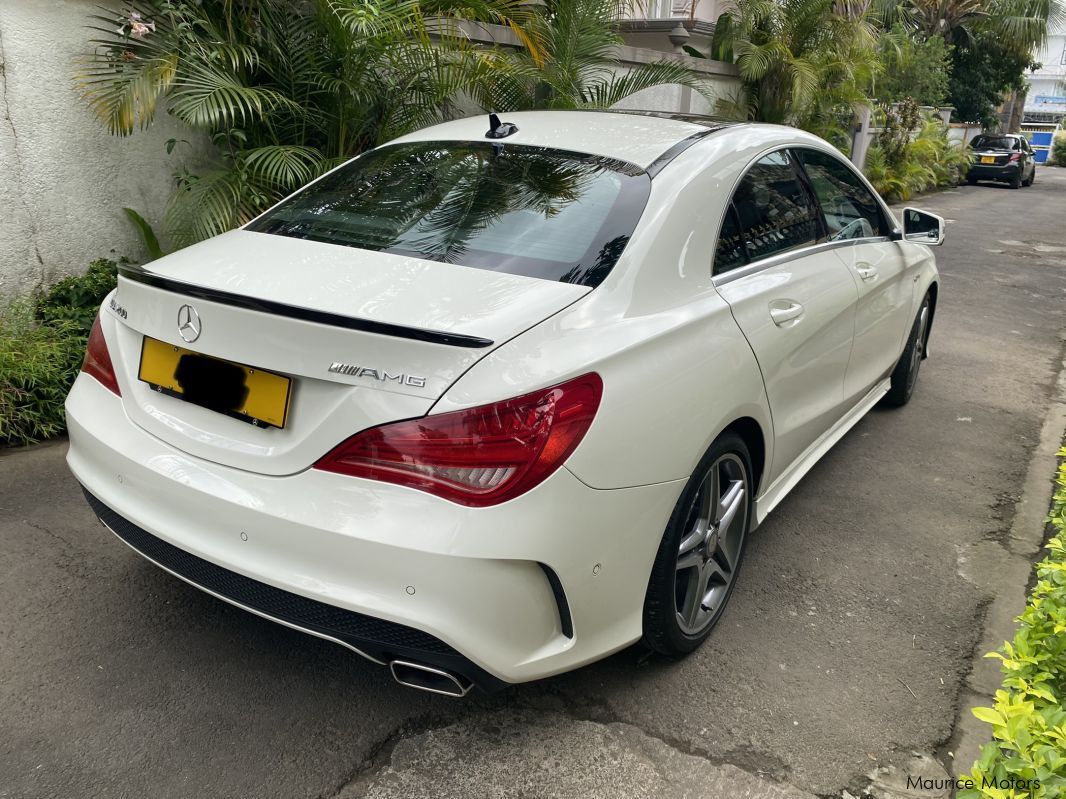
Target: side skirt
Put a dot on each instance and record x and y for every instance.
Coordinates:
(794, 473)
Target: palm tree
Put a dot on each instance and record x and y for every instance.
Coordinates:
(803, 62)
(577, 65)
(285, 90)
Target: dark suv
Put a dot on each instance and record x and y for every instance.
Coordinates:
(1004, 157)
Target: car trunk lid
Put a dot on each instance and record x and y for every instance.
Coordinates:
(363, 337)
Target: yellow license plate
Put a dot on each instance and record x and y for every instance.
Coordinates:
(988, 159)
(252, 395)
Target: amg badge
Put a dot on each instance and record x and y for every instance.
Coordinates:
(377, 374)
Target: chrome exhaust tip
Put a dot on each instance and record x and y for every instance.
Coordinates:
(429, 678)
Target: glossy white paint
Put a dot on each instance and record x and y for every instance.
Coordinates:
(682, 356)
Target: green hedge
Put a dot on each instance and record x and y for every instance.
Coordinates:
(1027, 758)
(42, 343)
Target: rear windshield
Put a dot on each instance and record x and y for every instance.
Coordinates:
(529, 211)
(995, 143)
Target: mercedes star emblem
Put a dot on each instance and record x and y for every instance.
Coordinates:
(188, 323)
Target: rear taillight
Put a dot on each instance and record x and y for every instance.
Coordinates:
(97, 359)
(478, 456)
(1014, 157)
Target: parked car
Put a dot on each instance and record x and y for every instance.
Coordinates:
(491, 402)
(1003, 157)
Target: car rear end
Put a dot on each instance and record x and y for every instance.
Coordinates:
(995, 158)
(256, 415)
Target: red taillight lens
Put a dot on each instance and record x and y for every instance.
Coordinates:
(97, 359)
(478, 456)
(1015, 157)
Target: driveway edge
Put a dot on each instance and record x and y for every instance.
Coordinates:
(1011, 578)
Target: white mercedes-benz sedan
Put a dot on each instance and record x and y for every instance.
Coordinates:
(499, 398)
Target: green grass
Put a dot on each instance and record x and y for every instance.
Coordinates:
(42, 343)
(1027, 756)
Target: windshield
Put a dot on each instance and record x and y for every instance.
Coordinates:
(994, 143)
(522, 210)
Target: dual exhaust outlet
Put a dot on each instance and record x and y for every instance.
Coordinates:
(429, 678)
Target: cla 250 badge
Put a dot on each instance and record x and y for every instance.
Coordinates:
(118, 309)
(378, 374)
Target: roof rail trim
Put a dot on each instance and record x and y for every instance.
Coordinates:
(660, 163)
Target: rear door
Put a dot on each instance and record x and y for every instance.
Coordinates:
(793, 298)
(856, 222)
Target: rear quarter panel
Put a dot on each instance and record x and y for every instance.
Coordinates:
(676, 368)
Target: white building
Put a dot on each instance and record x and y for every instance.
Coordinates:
(667, 25)
(1046, 101)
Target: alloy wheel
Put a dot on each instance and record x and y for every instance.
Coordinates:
(919, 346)
(709, 553)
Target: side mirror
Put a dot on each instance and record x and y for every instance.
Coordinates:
(922, 227)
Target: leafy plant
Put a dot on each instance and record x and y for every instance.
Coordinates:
(913, 154)
(1027, 757)
(802, 62)
(914, 67)
(77, 298)
(42, 342)
(151, 241)
(1058, 148)
(38, 362)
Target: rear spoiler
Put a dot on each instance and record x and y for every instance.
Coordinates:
(139, 274)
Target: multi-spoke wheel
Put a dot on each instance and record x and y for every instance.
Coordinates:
(700, 556)
(905, 375)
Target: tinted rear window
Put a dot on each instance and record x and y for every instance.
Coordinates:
(995, 143)
(521, 210)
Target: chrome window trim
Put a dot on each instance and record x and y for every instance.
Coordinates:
(784, 257)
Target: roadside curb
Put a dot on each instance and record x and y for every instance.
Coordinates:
(1013, 574)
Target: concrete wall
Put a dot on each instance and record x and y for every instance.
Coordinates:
(63, 178)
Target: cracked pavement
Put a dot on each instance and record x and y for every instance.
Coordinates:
(846, 648)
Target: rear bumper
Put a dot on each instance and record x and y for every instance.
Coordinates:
(385, 570)
(1004, 172)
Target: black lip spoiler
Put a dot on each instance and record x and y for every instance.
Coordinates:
(140, 275)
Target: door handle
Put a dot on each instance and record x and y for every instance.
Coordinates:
(867, 272)
(782, 311)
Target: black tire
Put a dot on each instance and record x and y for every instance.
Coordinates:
(971, 181)
(1032, 177)
(664, 630)
(1016, 181)
(905, 375)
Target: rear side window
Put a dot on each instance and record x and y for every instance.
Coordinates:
(528, 211)
(775, 211)
(729, 254)
(850, 209)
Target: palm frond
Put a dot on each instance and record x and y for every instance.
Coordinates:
(607, 93)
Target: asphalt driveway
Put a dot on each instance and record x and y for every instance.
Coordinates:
(847, 646)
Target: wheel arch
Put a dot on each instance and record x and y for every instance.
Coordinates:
(754, 438)
(933, 291)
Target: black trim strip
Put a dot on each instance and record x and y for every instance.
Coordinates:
(660, 163)
(140, 275)
(566, 621)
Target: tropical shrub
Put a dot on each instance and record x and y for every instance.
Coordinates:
(913, 154)
(575, 64)
(38, 362)
(912, 66)
(1058, 148)
(802, 62)
(42, 343)
(1027, 756)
